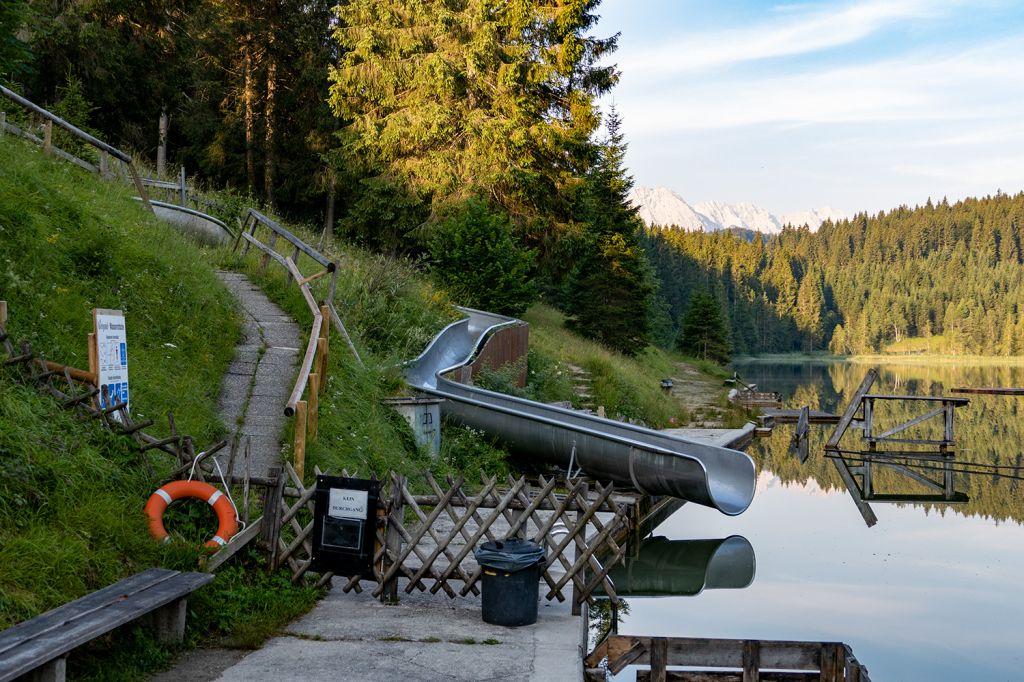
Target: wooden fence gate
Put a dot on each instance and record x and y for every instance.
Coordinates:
(429, 539)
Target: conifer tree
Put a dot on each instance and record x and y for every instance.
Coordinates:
(703, 334)
(611, 290)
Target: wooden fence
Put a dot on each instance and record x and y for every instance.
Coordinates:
(104, 150)
(428, 540)
(179, 192)
(303, 403)
(725, 660)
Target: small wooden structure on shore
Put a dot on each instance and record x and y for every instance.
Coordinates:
(725, 660)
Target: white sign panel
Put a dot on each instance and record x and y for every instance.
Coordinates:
(347, 504)
(112, 356)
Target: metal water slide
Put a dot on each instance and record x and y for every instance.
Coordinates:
(651, 461)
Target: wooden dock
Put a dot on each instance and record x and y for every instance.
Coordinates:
(724, 660)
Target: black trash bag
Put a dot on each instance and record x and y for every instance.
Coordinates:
(509, 555)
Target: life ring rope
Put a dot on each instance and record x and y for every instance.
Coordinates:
(227, 520)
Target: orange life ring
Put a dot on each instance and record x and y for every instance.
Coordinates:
(175, 490)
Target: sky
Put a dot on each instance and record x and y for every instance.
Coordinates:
(862, 105)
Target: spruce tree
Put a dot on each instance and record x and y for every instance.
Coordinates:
(610, 292)
(703, 334)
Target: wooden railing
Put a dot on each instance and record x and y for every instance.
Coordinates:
(428, 540)
(181, 193)
(708, 660)
(312, 377)
(105, 150)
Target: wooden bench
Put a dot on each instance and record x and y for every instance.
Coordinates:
(157, 595)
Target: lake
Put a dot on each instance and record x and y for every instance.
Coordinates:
(932, 592)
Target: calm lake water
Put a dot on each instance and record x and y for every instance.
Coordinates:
(932, 592)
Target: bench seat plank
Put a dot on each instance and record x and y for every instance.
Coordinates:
(27, 645)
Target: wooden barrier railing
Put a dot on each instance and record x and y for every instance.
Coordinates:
(105, 150)
(707, 660)
(303, 403)
(428, 540)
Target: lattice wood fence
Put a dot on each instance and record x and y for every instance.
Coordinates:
(429, 540)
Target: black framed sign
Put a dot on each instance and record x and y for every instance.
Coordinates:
(344, 525)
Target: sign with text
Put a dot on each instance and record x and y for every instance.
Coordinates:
(347, 504)
(111, 357)
(345, 525)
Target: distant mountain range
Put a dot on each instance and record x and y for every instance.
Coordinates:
(662, 206)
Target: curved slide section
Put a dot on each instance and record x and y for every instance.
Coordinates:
(664, 567)
(650, 461)
(200, 226)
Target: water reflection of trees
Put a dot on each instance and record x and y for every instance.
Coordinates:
(988, 431)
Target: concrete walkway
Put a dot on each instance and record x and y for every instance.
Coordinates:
(257, 385)
(423, 638)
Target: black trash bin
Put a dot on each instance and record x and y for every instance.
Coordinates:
(511, 578)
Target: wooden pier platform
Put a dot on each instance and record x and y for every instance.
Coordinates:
(792, 416)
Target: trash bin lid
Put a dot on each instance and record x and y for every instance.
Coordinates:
(512, 554)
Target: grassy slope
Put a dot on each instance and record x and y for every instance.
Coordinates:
(71, 493)
(629, 387)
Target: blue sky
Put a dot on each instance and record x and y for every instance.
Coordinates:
(860, 105)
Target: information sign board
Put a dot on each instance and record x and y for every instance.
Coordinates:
(111, 357)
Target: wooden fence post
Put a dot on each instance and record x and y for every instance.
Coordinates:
(313, 419)
(270, 528)
(659, 659)
(3, 313)
(324, 345)
(48, 136)
(3, 123)
(577, 594)
(300, 438)
(183, 187)
(393, 538)
(161, 147)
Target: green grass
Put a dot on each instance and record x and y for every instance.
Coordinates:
(69, 243)
(627, 387)
(71, 493)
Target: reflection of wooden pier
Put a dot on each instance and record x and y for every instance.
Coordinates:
(888, 450)
(726, 659)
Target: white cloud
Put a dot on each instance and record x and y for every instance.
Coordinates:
(986, 82)
(802, 32)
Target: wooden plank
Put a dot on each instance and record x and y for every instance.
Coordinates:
(295, 241)
(863, 507)
(99, 144)
(851, 409)
(236, 543)
(727, 676)
(625, 651)
(659, 658)
(300, 438)
(989, 390)
(960, 402)
(724, 653)
(751, 661)
(27, 645)
(913, 422)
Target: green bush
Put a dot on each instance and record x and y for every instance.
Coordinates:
(474, 255)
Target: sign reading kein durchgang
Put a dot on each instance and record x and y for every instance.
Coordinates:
(108, 358)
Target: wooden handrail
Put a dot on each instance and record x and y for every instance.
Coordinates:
(84, 136)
